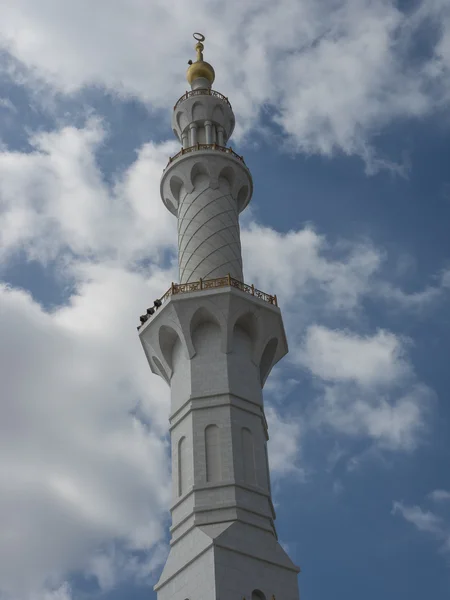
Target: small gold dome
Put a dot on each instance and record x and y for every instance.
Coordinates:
(200, 68)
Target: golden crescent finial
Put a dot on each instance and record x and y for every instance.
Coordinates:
(200, 68)
(199, 37)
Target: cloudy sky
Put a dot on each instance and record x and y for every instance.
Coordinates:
(342, 113)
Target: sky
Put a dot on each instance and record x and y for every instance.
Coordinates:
(342, 112)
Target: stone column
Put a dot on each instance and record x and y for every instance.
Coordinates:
(193, 133)
(208, 130)
(220, 139)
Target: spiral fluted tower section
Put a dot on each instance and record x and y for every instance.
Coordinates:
(206, 185)
(209, 244)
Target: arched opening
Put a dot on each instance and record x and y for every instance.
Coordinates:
(182, 120)
(167, 339)
(247, 326)
(258, 595)
(170, 205)
(212, 454)
(267, 359)
(248, 456)
(198, 111)
(242, 197)
(227, 174)
(218, 115)
(198, 172)
(205, 330)
(175, 187)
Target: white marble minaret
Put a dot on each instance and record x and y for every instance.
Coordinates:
(214, 340)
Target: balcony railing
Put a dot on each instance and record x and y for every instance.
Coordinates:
(209, 284)
(202, 92)
(216, 147)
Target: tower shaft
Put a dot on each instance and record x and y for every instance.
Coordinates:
(215, 340)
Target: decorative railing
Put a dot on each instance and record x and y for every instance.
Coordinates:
(216, 147)
(209, 284)
(202, 92)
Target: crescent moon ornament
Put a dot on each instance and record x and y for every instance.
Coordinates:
(200, 68)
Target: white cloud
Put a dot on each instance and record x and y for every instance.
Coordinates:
(7, 104)
(393, 422)
(426, 522)
(439, 495)
(415, 301)
(77, 469)
(300, 264)
(367, 387)
(63, 592)
(335, 73)
(55, 197)
(335, 355)
(423, 520)
(365, 384)
(284, 444)
(338, 488)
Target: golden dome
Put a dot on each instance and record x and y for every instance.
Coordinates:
(200, 68)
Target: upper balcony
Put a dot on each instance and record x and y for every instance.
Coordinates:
(207, 285)
(201, 92)
(198, 107)
(197, 147)
(206, 160)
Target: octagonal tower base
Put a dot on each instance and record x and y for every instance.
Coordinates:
(215, 348)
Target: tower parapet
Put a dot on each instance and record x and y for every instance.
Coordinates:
(214, 340)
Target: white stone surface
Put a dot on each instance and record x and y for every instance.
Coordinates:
(216, 348)
(209, 244)
(213, 348)
(207, 189)
(200, 108)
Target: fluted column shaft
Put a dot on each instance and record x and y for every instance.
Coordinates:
(209, 243)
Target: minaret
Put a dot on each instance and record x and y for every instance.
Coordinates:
(214, 340)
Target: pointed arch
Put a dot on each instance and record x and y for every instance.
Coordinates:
(170, 205)
(198, 170)
(208, 313)
(167, 338)
(242, 197)
(218, 113)
(203, 315)
(247, 323)
(181, 120)
(228, 174)
(175, 185)
(198, 111)
(176, 134)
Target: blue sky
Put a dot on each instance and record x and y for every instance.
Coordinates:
(342, 115)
